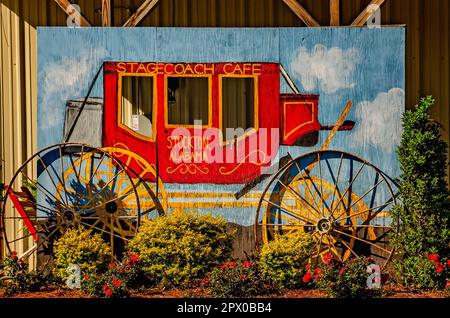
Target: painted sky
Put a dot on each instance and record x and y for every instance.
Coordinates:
(361, 64)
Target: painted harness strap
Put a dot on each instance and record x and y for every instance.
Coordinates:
(23, 202)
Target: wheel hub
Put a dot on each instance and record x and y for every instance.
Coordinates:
(111, 207)
(324, 226)
(70, 218)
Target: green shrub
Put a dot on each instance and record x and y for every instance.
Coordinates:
(16, 278)
(421, 221)
(283, 260)
(237, 279)
(179, 248)
(81, 247)
(342, 279)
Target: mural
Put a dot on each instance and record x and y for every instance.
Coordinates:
(273, 129)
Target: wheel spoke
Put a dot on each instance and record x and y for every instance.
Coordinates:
(362, 240)
(361, 197)
(345, 244)
(298, 195)
(349, 186)
(336, 181)
(43, 241)
(44, 190)
(364, 211)
(317, 190)
(53, 181)
(306, 183)
(103, 188)
(330, 239)
(292, 213)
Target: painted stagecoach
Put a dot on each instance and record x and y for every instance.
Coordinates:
(211, 137)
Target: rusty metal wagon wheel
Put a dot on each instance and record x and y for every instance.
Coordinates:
(342, 201)
(68, 185)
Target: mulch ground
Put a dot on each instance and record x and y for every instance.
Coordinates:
(200, 293)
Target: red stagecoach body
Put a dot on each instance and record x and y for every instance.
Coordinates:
(183, 152)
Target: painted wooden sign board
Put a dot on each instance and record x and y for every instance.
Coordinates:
(168, 95)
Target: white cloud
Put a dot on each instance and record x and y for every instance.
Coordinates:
(327, 69)
(65, 80)
(378, 122)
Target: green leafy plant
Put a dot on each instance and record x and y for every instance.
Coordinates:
(237, 279)
(16, 278)
(283, 260)
(118, 279)
(421, 221)
(81, 247)
(177, 249)
(341, 279)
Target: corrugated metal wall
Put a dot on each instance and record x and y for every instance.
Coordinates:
(428, 39)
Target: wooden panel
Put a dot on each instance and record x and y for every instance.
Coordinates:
(334, 12)
(427, 55)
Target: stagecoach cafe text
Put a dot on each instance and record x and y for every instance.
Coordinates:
(188, 69)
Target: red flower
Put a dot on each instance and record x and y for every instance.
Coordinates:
(342, 271)
(223, 267)
(86, 277)
(117, 283)
(233, 264)
(307, 267)
(318, 271)
(307, 277)
(437, 264)
(448, 262)
(433, 257)
(105, 287)
(108, 292)
(205, 280)
(439, 269)
(135, 258)
(369, 260)
(327, 258)
(13, 253)
(447, 284)
(352, 260)
(244, 278)
(111, 265)
(246, 264)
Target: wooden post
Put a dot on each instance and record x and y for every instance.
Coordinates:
(334, 12)
(301, 13)
(141, 12)
(72, 11)
(367, 13)
(106, 13)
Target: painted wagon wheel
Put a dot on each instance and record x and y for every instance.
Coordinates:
(67, 185)
(342, 201)
(152, 195)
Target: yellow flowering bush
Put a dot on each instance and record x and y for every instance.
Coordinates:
(81, 247)
(283, 260)
(182, 247)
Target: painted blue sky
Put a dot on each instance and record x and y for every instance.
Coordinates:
(361, 64)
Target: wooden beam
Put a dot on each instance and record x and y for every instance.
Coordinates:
(106, 13)
(301, 13)
(334, 12)
(141, 12)
(367, 13)
(72, 11)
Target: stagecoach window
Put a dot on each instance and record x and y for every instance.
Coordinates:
(187, 100)
(137, 104)
(238, 106)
